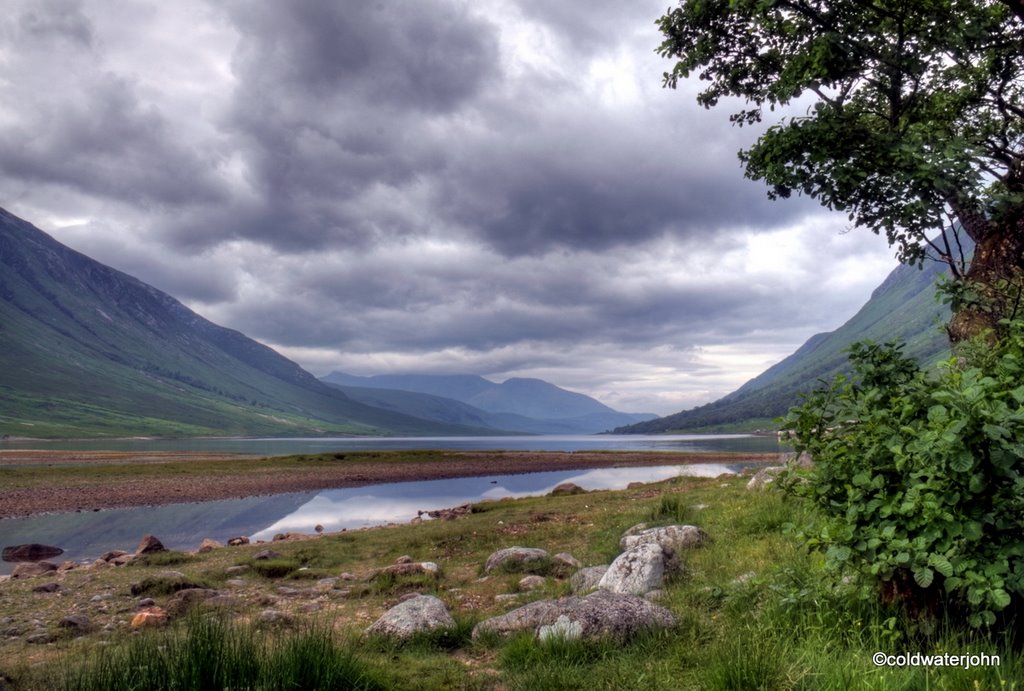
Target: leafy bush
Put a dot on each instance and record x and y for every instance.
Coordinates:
(920, 480)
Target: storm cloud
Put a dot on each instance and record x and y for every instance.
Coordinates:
(501, 188)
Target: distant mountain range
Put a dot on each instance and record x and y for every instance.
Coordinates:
(903, 308)
(530, 406)
(88, 351)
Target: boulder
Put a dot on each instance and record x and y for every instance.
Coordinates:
(638, 570)
(209, 545)
(112, 554)
(673, 537)
(764, 477)
(267, 554)
(600, 615)
(567, 488)
(31, 569)
(149, 544)
(238, 541)
(518, 559)
(587, 579)
(30, 552)
(422, 613)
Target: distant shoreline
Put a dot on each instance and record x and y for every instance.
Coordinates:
(75, 481)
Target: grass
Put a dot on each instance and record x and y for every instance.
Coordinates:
(753, 609)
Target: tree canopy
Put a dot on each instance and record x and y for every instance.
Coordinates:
(908, 115)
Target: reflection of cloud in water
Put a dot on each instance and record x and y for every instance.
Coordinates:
(365, 506)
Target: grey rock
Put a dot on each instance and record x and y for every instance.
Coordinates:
(600, 615)
(185, 600)
(235, 570)
(566, 488)
(764, 477)
(587, 578)
(266, 554)
(33, 569)
(78, 624)
(519, 559)
(208, 545)
(48, 588)
(638, 570)
(237, 582)
(40, 638)
(673, 537)
(273, 617)
(423, 613)
(532, 582)
(563, 561)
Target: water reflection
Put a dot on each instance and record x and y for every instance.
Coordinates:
(398, 502)
(183, 526)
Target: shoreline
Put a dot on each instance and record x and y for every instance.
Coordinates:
(263, 479)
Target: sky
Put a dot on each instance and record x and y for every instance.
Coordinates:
(496, 187)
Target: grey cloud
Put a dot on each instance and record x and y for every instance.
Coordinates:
(63, 19)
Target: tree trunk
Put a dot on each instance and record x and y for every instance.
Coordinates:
(995, 275)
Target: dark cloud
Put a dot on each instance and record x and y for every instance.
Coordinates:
(499, 187)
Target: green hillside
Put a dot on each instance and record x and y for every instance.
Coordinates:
(87, 351)
(902, 308)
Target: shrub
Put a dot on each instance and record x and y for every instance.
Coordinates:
(920, 481)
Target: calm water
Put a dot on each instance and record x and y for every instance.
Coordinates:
(547, 442)
(183, 526)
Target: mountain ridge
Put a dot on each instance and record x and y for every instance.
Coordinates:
(902, 308)
(87, 350)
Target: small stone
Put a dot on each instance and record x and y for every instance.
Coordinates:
(404, 559)
(237, 582)
(273, 617)
(346, 576)
(33, 569)
(532, 582)
(40, 638)
(208, 545)
(587, 579)
(48, 588)
(67, 566)
(267, 554)
(566, 489)
(112, 554)
(77, 623)
(235, 570)
(149, 617)
(149, 544)
(565, 562)
(121, 560)
(145, 602)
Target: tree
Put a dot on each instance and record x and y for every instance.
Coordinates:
(914, 120)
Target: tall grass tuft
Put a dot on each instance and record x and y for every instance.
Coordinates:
(212, 654)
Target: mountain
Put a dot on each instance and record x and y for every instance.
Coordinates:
(903, 308)
(518, 405)
(86, 350)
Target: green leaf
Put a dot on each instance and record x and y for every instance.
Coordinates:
(941, 564)
(924, 576)
(1000, 598)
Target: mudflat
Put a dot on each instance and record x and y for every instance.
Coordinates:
(34, 482)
